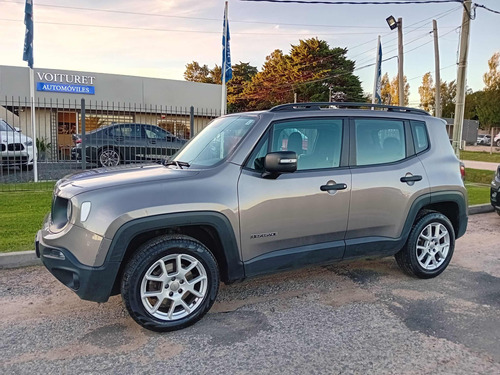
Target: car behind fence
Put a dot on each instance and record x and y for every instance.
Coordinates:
(75, 135)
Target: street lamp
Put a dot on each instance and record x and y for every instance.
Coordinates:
(393, 24)
(391, 21)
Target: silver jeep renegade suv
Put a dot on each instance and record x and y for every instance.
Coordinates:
(257, 193)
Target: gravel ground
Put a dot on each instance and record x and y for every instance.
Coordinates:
(363, 317)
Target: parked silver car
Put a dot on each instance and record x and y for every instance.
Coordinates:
(257, 193)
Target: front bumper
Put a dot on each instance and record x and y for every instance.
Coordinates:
(89, 283)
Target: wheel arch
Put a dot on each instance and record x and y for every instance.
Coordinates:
(210, 228)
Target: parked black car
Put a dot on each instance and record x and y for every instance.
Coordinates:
(125, 143)
(495, 191)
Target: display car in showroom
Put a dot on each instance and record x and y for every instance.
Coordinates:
(16, 149)
(117, 144)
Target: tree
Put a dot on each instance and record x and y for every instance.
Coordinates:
(385, 89)
(395, 91)
(488, 108)
(311, 70)
(427, 93)
(242, 74)
(448, 95)
(196, 73)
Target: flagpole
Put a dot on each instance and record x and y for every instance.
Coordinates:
(224, 62)
(377, 70)
(33, 125)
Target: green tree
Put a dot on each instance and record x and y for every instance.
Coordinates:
(488, 108)
(448, 94)
(242, 74)
(311, 70)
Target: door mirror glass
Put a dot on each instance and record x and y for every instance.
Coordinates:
(276, 163)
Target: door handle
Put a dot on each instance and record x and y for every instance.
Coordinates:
(333, 187)
(411, 178)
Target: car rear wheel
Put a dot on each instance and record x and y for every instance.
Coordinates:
(429, 247)
(109, 157)
(498, 143)
(170, 283)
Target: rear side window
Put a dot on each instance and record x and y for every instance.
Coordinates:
(379, 141)
(420, 137)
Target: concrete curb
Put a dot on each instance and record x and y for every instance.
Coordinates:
(480, 209)
(28, 258)
(19, 259)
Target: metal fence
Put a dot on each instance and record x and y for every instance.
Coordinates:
(82, 134)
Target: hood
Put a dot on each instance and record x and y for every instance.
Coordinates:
(101, 178)
(13, 137)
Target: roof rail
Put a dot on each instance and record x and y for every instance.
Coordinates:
(313, 106)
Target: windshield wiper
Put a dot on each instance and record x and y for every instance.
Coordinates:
(178, 164)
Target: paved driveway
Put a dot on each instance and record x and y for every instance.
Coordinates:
(480, 165)
(362, 317)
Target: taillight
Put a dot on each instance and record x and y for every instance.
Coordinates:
(78, 141)
(462, 170)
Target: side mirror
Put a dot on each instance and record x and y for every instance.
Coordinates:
(17, 129)
(276, 163)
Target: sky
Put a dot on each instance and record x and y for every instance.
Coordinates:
(157, 38)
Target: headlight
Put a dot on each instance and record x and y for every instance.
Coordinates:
(28, 143)
(69, 210)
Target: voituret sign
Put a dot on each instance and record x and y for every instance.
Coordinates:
(68, 83)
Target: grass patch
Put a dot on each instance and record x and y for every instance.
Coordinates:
(478, 194)
(28, 186)
(480, 156)
(21, 216)
(479, 176)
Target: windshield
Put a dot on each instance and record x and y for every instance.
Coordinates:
(5, 127)
(216, 141)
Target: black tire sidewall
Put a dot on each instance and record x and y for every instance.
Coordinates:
(413, 239)
(144, 259)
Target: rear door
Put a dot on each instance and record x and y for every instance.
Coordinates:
(387, 176)
(296, 219)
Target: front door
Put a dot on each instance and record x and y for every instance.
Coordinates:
(298, 218)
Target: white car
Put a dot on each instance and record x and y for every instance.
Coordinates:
(16, 149)
(496, 140)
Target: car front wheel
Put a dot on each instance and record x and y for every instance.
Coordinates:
(429, 247)
(170, 283)
(109, 157)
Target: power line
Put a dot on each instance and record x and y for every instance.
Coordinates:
(114, 11)
(180, 30)
(486, 8)
(394, 2)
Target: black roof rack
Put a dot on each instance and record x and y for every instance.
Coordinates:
(320, 105)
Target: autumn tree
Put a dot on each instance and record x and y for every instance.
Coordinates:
(197, 73)
(389, 90)
(427, 93)
(385, 89)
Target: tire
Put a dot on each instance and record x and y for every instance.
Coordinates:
(152, 288)
(109, 157)
(498, 212)
(425, 254)
(498, 143)
(27, 167)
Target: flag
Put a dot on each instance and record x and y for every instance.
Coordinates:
(28, 38)
(226, 50)
(377, 92)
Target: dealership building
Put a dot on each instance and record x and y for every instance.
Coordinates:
(61, 96)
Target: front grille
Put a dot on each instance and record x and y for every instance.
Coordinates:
(15, 147)
(13, 160)
(2, 147)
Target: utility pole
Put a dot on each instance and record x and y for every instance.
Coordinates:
(461, 78)
(400, 63)
(437, 105)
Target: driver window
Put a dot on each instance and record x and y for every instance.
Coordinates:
(317, 143)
